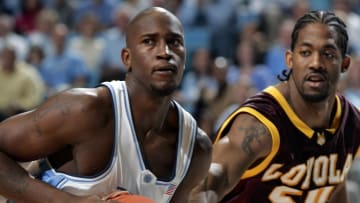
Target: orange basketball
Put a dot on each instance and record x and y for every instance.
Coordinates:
(130, 198)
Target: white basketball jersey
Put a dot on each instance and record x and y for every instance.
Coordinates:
(127, 169)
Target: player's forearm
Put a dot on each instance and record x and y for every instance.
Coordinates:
(208, 196)
(210, 190)
(17, 185)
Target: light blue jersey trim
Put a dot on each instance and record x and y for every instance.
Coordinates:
(58, 179)
(133, 132)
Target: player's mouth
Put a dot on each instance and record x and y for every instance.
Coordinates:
(166, 70)
(316, 79)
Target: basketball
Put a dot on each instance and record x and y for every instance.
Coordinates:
(130, 198)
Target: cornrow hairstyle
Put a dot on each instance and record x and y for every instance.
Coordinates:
(325, 17)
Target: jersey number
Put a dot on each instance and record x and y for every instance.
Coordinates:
(282, 194)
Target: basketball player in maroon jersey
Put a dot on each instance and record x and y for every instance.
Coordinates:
(295, 141)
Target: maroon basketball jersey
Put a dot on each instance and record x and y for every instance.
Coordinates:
(304, 165)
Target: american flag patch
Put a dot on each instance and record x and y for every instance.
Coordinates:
(171, 189)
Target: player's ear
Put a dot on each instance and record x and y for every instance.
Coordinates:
(345, 64)
(289, 59)
(126, 58)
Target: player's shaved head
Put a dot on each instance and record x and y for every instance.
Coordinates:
(148, 15)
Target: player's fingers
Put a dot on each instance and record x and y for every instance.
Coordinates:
(115, 194)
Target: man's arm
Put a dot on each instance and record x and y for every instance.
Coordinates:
(15, 184)
(63, 120)
(340, 194)
(197, 170)
(247, 141)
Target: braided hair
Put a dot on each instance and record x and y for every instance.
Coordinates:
(325, 17)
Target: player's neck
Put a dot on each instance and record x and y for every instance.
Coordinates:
(314, 114)
(150, 115)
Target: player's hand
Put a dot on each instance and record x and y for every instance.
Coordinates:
(93, 199)
(115, 194)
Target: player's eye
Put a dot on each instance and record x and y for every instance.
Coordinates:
(329, 54)
(175, 42)
(148, 41)
(305, 53)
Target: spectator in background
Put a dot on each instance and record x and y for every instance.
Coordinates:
(218, 17)
(21, 86)
(237, 93)
(246, 66)
(44, 25)
(224, 97)
(65, 11)
(199, 13)
(221, 16)
(101, 8)
(351, 81)
(10, 38)
(134, 6)
(298, 9)
(87, 44)
(342, 8)
(35, 56)
(198, 85)
(185, 10)
(246, 13)
(62, 70)
(112, 65)
(219, 71)
(281, 26)
(274, 58)
(9, 7)
(320, 4)
(252, 34)
(205, 108)
(25, 20)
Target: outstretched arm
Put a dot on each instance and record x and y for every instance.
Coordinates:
(61, 121)
(247, 141)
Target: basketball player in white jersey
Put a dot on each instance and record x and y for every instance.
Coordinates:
(129, 135)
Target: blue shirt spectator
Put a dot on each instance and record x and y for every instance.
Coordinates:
(274, 59)
(112, 65)
(103, 9)
(275, 56)
(260, 76)
(61, 71)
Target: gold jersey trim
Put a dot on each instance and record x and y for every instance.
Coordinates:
(273, 132)
(357, 155)
(300, 125)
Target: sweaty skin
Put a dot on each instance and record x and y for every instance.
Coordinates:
(316, 62)
(75, 128)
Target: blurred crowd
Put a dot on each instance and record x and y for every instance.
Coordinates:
(234, 49)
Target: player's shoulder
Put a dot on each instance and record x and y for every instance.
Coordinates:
(91, 94)
(250, 127)
(203, 140)
(85, 100)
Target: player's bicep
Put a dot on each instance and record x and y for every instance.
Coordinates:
(250, 137)
(27, 136)
(37, 133)
(247, 141)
